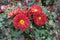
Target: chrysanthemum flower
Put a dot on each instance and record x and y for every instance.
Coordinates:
(21, 22)
(14, 12)
(40, 19)
(34, 10)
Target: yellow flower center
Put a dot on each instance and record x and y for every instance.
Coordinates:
(21, 22)
(35, 10)
(39, 18)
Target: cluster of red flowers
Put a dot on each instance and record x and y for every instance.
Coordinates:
(38, 16)
(21, 20)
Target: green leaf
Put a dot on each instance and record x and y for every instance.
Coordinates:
(1, 25)
(51, 22)
(1, 19)
(37, 37)
(14, 39)
(45, 10)
(47, 2)
(54, 38)
(39, 3)
(54, 15)
(29, 4)
(23, 7)
(15, 33)
(48, 38)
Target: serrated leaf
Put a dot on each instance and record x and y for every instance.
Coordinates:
(45, 10)
(54, 15)
(51, 22)
(37, 37)
(50, 17)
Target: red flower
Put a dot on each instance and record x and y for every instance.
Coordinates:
(40, 19)
(34, 10)
(21, 22)
(14, 12)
